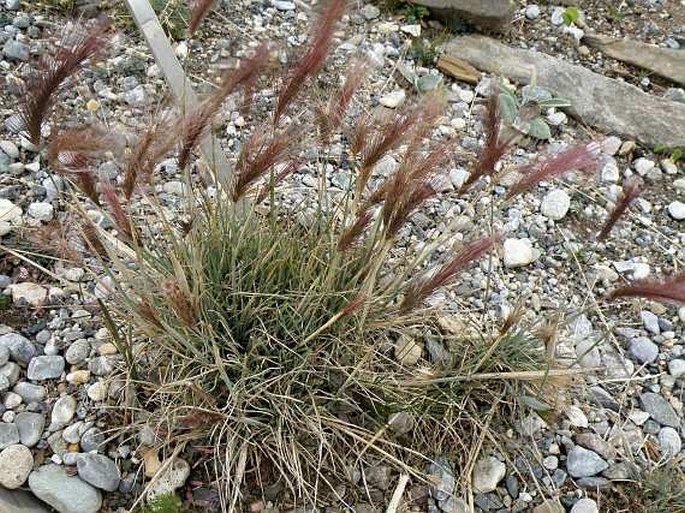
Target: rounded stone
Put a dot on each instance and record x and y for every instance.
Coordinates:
(532, 11)
(676, 368)
(16, 462)
(97, 391)
(78, 351)
(65, 493)
(518, 252)
(62, 412)
(555, 204)
(487, 473)
(20, 348)
(29, 392)
(173, 478)
(585, 505)
(99, 471)
(45, 367)
(582, 462)
(30, 426)
(669, 442)
(644, 350)
(41, 211)
(393, 99)
(676, 210)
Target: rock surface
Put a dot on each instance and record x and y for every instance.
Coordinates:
(605, 103)
(666, 62)
(16, 462)
(487, 473)
(485, 13)
(65, 493)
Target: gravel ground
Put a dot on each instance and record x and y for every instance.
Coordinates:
(56, 360)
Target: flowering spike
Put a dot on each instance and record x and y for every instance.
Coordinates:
(581, 157)
(631, 190)
(671, 290)
(421, 289)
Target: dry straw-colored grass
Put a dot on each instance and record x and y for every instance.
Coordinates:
(278, 343)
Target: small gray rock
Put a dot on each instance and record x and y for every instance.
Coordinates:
(16, 50)
(676, 368)
(29, 392)
(487, 473)
(283, 5)
(9, 435)
(12, 5)
(555, 204)
(650, 322)
(30, 426)
(669, 442)
(585, 505)
(99, 471)
(21, 349)
(16, 462)
(62, 412)
(532, 11)
(45, 367)
(11, 371)
(644, 350)
(78, 351)
(443, 480)
(582, 462)
(676, 209)
(10, 149)
(370, 12)
(65, 493)
(660, 409)
(92, 440)
(101, 365)
(41, 211)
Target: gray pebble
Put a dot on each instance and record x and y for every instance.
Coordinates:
(45, 367)
(98, 470)
(21, 349)
(582, 462)
(30, 427)
(660, 409)
(643, 350)
(669, 442)
(78, 351)
(29, 392)
(16, 50)
(92, 440)
(9, 435)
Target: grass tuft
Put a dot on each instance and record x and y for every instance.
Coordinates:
(284, 338)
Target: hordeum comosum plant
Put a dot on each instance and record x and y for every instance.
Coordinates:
(268, 340)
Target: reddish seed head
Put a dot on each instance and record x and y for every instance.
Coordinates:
(670, 290)
(631, 190)
(581, 157)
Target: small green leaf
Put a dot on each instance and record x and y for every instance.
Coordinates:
(508, 107)
(554, 102)
(570, 15)
(538, 129)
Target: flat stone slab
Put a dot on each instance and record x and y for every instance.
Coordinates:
(665, 62)
(604, 103)
(488, 14)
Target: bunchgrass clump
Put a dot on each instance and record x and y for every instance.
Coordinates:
(295, 340)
